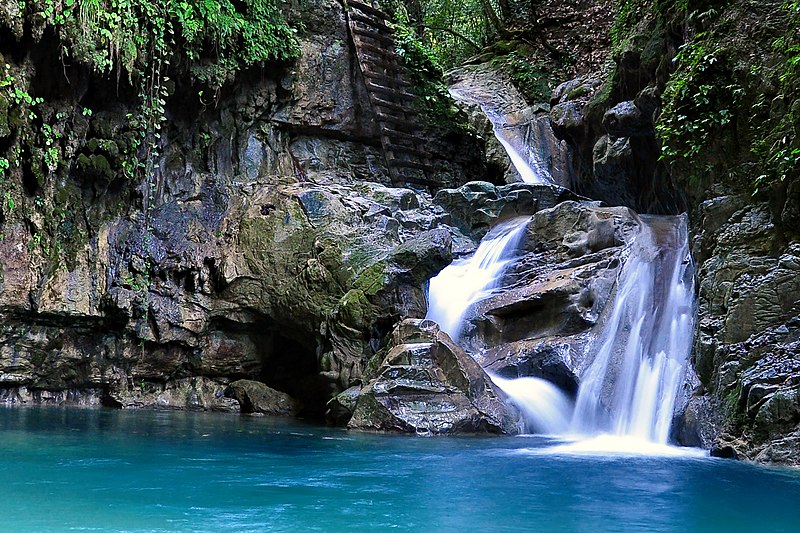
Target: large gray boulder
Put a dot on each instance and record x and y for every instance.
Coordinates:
(478, 205)
(256, 397)
(424, 383)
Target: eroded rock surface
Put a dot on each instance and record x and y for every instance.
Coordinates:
(747, 352)
(264, 245)
(424, 383)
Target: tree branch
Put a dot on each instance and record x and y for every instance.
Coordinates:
(455, 34)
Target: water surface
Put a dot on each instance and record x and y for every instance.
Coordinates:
(168, 471)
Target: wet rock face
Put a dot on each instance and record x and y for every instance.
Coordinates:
(477, 206)
(424, 383)
(555, 293)
(256, 398)
(296, 288)
(616, 153)
(747, 352)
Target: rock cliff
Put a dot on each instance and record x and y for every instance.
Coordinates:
(259, 257)
(263, 243)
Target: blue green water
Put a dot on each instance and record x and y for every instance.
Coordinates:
(166, 471)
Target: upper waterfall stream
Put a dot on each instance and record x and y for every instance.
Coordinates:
(524, 132)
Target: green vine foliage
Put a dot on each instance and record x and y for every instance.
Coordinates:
(147, 41)
(435, 105)
(699, 105)
(451, 31)
(200, 44)
(217, 37)
(778, 146)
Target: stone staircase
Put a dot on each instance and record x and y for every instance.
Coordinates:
(403, 145)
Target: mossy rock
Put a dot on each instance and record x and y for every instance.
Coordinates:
(354, 309)
(5, 130)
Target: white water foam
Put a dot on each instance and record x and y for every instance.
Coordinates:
(642, 349)
(606, 445)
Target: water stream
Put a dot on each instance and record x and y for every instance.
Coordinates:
(642, 349)
(471, 279)
(642, 344)
(525, 135)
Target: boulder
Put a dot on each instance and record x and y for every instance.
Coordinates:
(424, 383)
(626, 120)
(341, 406)
(555, 292)
(477, 206)
(256, 397)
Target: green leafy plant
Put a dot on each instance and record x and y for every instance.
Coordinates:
(435, 105)
(700, 100)
(778, 145)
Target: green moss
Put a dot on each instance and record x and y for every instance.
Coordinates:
(214, 38)
(5, 130)
(372, 280)
(354, 309)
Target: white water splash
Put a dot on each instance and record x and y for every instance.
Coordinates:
(530, 169)
(630, 388)
(615, 445)
(547, 410)
(627, 394)
(469, 280)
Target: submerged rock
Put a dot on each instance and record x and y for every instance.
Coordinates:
(424, 383)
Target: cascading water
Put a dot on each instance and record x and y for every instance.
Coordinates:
(642, 344)
(644, 339)
(473, 278)
(643, 347)
(522, 135)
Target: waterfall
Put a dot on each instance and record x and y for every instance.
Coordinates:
(546, 409)
(519, 133)
(642, 349)
(471, 279)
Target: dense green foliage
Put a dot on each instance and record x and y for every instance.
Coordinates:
(216, 37)
(450, 31)
(778, 144)
(699, 102)
(730, 108)
(151, 47)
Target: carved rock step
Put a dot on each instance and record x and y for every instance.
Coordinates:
(408, 163)
(393, 94)
(386, 80)
(388, 56)
(366, 34)
(392, 107)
